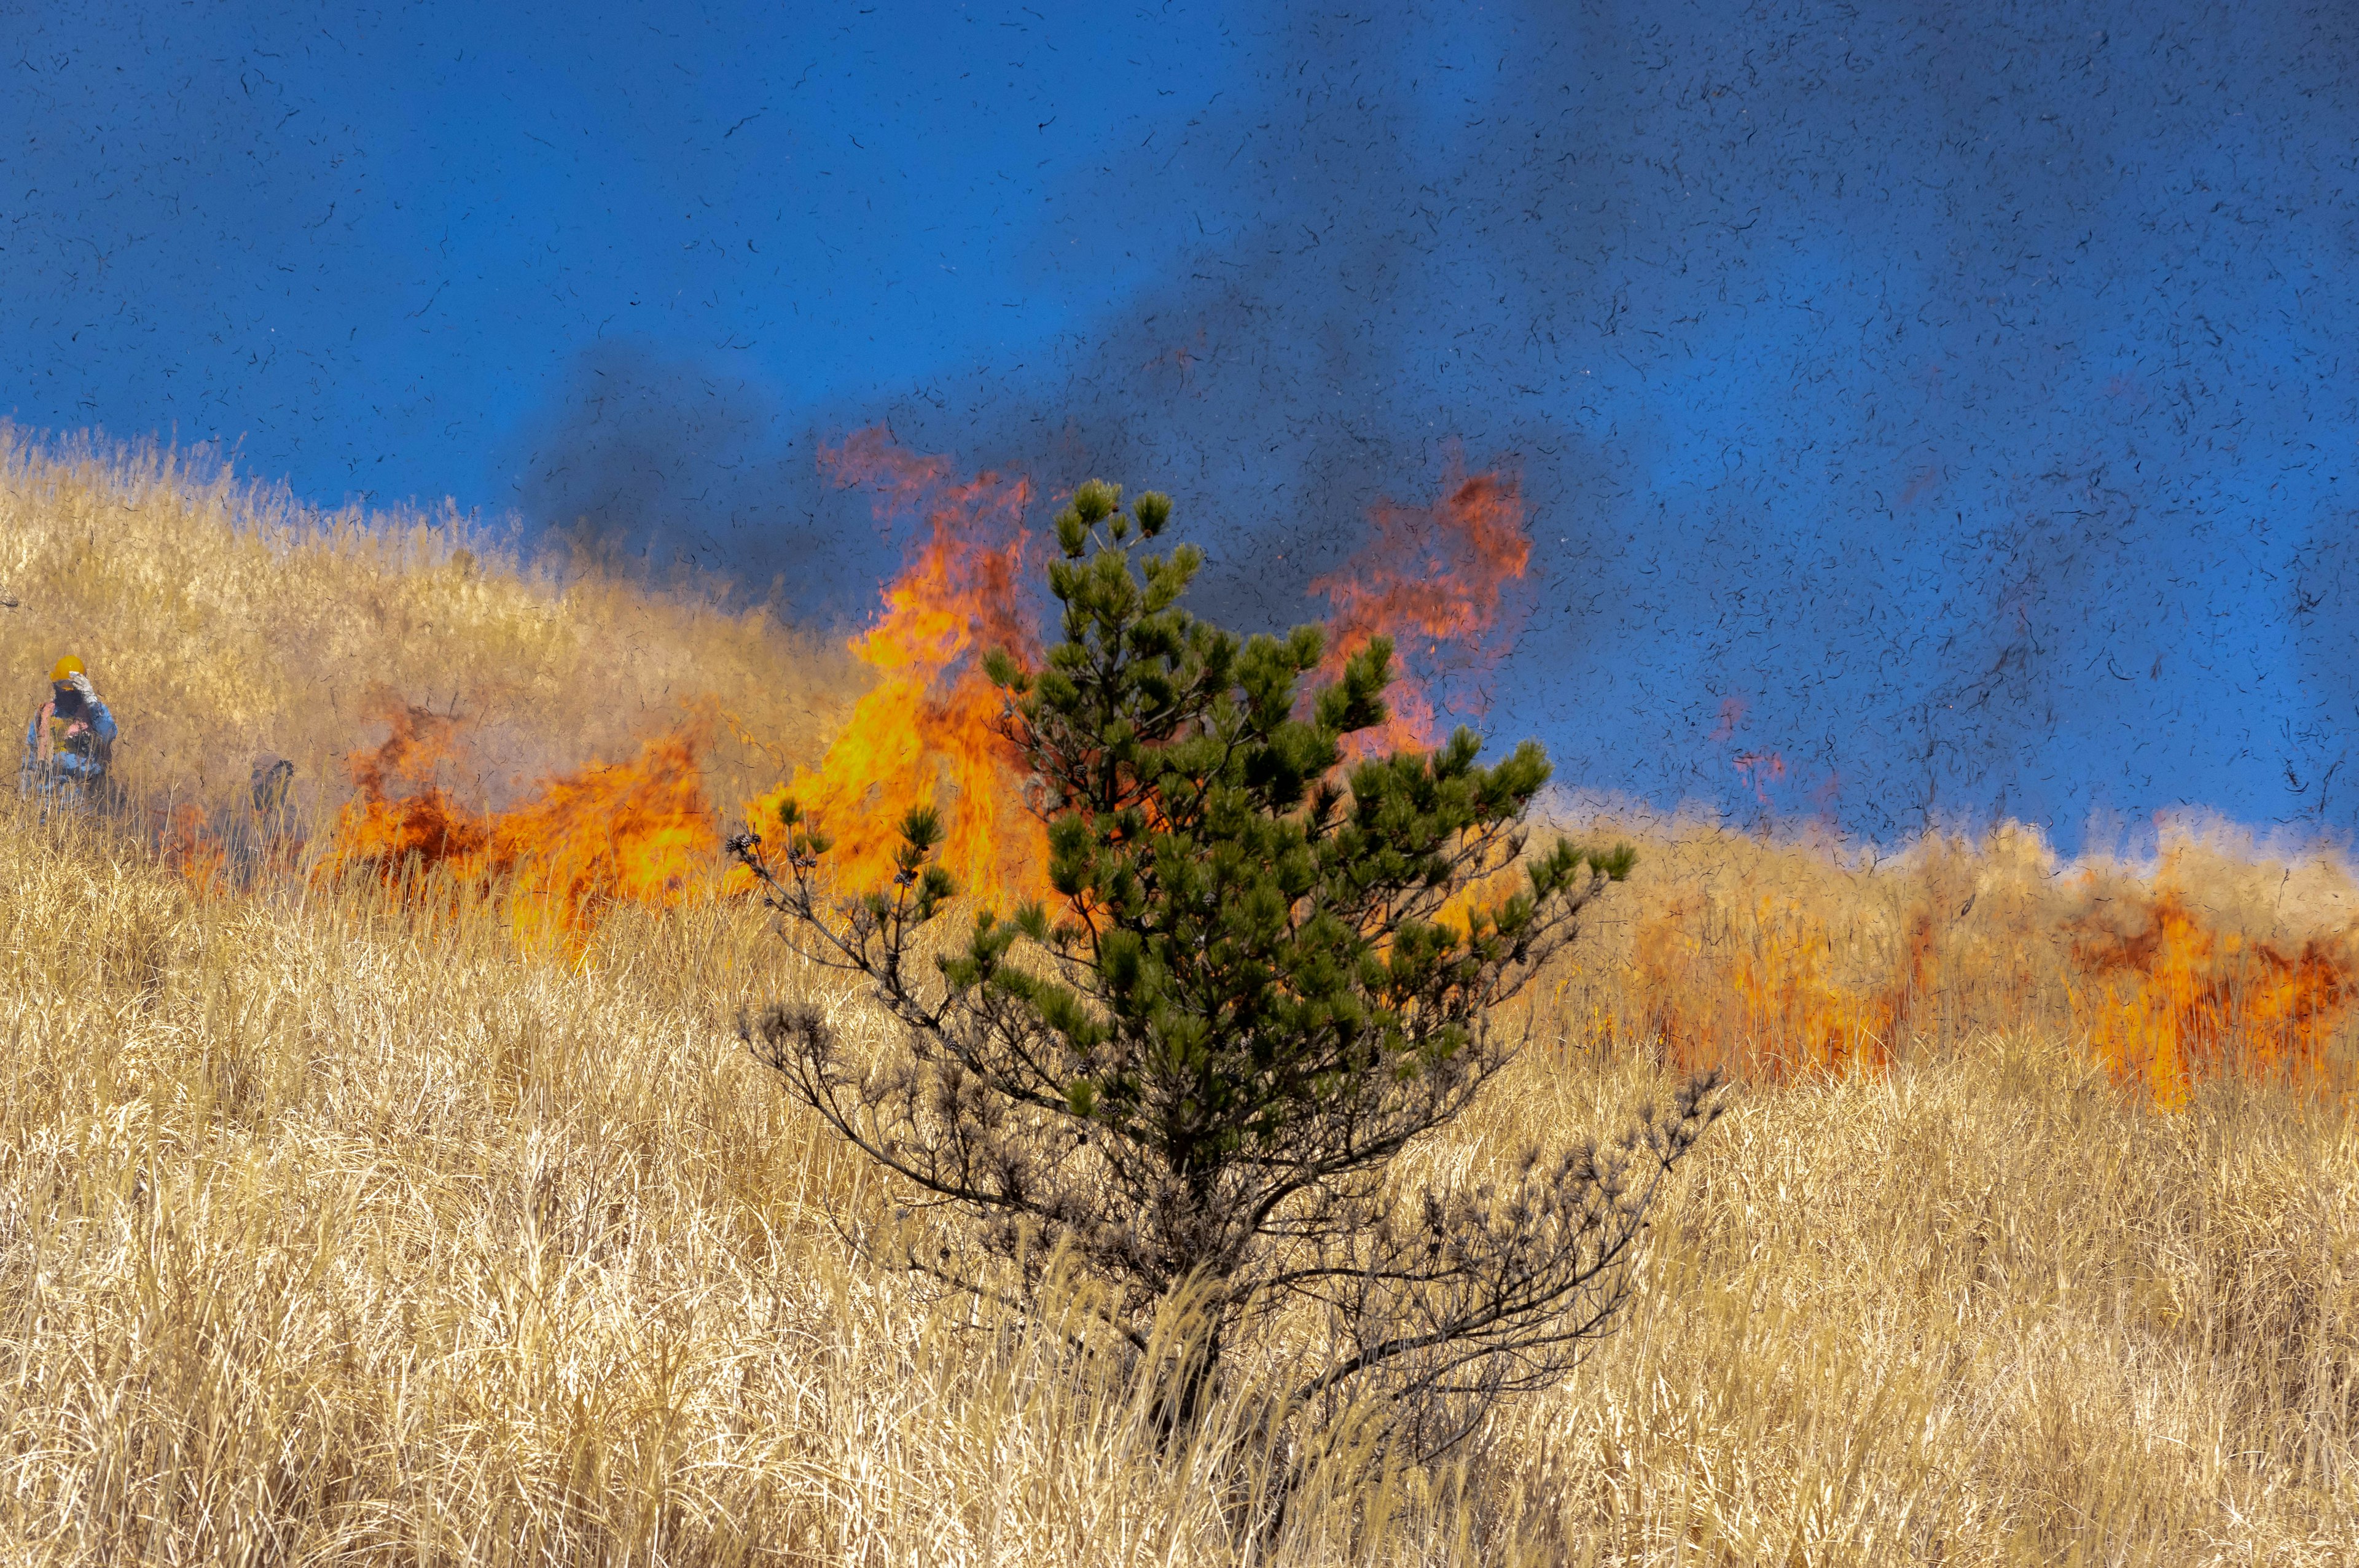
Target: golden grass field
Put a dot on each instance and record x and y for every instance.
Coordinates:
(333, 1231)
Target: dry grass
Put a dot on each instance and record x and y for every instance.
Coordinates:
(220, 620)
(329, 1233)
(1776, 958)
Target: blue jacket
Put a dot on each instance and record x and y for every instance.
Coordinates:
(76, 761)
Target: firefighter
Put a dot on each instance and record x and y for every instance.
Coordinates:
(69, 742)
(270, 839)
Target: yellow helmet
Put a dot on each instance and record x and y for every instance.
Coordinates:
(67, 667)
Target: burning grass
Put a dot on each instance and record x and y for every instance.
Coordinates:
(925, 732)
(2172, 1001)
(637, 833)
(337, 1231)
(1786, 961)
(384, 1182)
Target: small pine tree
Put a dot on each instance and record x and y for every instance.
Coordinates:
(1268, 977)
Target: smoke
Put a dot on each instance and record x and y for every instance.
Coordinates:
(1954, 390)
(2323, 610)
(667, 462)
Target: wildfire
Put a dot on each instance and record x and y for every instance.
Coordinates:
(925, 732)
(235, 847)
(2174, 1002)
(190, 848)
(1433, 578)
(2163, 997)
(637, 832)
(399, 821)
(1774, 1003)
(1785, 974)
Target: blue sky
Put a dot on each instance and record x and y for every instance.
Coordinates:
(1957, 402)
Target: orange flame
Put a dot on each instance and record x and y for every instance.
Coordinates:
(927, 732)
(632, 833)
(233, 848)
(1773, 1004)
(399, 822)
(1432, 579)
(190, 849)
(2174, 1002)
(2166, 1002)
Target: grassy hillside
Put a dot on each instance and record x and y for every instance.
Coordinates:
(220, 621)
(335, 1230)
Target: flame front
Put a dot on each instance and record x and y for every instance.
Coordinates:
(2166, 1002)
(1800, 965)
(637, 832)
(400, 822)
(925, 732)
(1776, 1002)
(2173, 1001)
